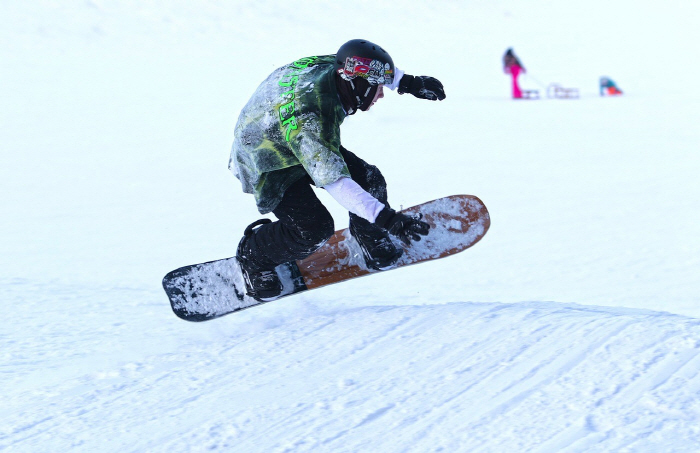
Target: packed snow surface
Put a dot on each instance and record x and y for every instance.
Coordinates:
(572, 326)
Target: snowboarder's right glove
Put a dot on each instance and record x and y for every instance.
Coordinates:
(422, 87)
(402, 226)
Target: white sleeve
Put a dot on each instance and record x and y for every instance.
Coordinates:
(397, 78)
(354, 198)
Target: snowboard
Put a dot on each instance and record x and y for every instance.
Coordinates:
(201, 292)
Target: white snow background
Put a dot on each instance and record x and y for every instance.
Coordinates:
(572, 326)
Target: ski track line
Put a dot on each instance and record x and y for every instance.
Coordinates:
(283, 423)
(580, 354)
(343, 432)
(368, 345)
(585, 432)
(572, 361)
(356, 353)
(484, 386)
(549, 369)
(496, 387)
(583, 435)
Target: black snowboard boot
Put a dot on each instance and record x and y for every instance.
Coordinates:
(379, 251)
(262, 282)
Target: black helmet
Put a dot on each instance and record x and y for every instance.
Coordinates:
(361, 58)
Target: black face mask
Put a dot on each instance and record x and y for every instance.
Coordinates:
(368, 97)
(355, 94)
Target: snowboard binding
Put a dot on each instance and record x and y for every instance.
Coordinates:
(378, 250)
(261, 284)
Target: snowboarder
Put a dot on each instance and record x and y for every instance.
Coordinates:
(607, 86)
(512, 66)
(287, 138)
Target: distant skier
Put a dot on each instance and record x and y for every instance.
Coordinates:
(512, 66)
(287, 138)
(607, 86)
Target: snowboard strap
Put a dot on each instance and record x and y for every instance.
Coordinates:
(249, 230)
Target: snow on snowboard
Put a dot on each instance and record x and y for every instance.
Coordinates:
(205, 291)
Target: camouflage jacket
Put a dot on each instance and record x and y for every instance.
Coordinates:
(289, 128)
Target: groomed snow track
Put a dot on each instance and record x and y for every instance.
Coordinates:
(457, 377)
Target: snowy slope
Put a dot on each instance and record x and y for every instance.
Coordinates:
(456, 377)
(572, 326)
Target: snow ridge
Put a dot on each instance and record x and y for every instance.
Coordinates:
(456, 377)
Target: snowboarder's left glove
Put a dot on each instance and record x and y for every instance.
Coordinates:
(422, 87)
(402, 226)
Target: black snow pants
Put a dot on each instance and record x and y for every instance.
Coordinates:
(304, 224)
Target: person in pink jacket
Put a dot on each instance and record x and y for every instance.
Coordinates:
(512, 66)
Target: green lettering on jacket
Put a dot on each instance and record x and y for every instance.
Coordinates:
(286, 111)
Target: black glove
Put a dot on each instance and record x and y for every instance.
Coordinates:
(404, 227)
(422, 87)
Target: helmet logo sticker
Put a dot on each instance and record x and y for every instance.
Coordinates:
(375, 71)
